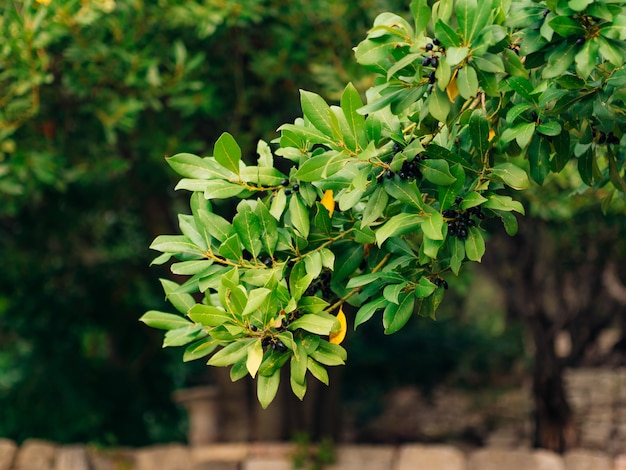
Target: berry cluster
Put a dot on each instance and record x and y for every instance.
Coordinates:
(440, 282)
(274, 343)
(609, 138)
(432, 60)
(459, 221)
(295, 188)
(321, 285)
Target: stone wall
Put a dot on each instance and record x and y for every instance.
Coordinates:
(40, 455)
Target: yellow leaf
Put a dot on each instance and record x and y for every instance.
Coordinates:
(328, 201)
(492, 134)
(452, 89)
(337, 338)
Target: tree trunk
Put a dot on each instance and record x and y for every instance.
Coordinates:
(554, 425)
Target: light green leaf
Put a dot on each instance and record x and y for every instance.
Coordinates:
(437, 171)
(299, 215)
(511, 175)
(421, 14)
(164, 321)
(474, 245)
(321, 166)
(199, 349)
(350, 103)
(231, 353)
(432, 226)
(439, 104)
(317, 111)
(467, 82)
(227, 153)
(267, 387)
(375, 206)
(220, 189)
(396, 316)
(255, 357)
(404, 191)
(503, 203)
(391, 292)
(248, 228)
(424, 287)
(231, 248)
(180, 300)
(397, 225)
(320, 324)
(457, 254)
(479, 131)
(191, 166)
(175, 244)
(208, 315)
(317, 370)
(182, 336)
(367, 310)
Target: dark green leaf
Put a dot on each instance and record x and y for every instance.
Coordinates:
(396, 316)
(539, 158)
(437, 172)
(248, 228)
(367, 310)
(479, 131)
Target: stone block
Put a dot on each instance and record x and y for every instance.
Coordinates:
(227, 452)
(419, 457)
(580, 459)
(110, 459)
(620, 462)
(35, 455)
(163, 457)
(548, 460)
(71, 458)
(8, 449)
(495, 459)
(363, 457)
(216, 466)
(258, 463)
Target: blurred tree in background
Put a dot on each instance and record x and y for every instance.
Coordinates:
(93, 95)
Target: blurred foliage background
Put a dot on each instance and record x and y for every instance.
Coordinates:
(93, 96)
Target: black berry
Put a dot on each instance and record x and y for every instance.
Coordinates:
(434, 62)
(426, 62)
(389, 174)
(444, 283)
(431, 77)
(254, 328)
(287, 192)
(296, 188)
(462, 233)
(451, 229)
(429, 46)
(285, 182)
(580, 41)
(436, 42)
(458, 200)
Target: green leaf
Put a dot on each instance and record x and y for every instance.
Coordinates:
(522, 87)
(227, 152)
(175, 244)
(209, 315)
(466, 17)
(391, 292)
(421, 14)
(404, 191)
(299, 215)
(188, 165)
(432, 226)
(472, 199)
(587, 56)
(317, 370)
(321, 167)
(479, 131)
(445, 34)
(550, 128)
(437, 172)
(349, 258)
(231, 248)
(317, 111)
(424, 287)
(539, 159)
(559, 60)
(367, 310)
(474, 245)
(490, 63)
(503, 203)
(457, 254)
(566, 26)
(447, 194)
(299, 363)
(220, 189)
(375, 206)
(511, 175)
(248, 228)
(199, 349)
(182, 336)
(231, 353)
(396, 316)
(509, 221)
(455, 55)
(397, 225)
(439, 104)
(180, 300)
(315, 323)
(467, 82)
(350, 103)
(268, 226)
(164, 321)
(267, 387)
